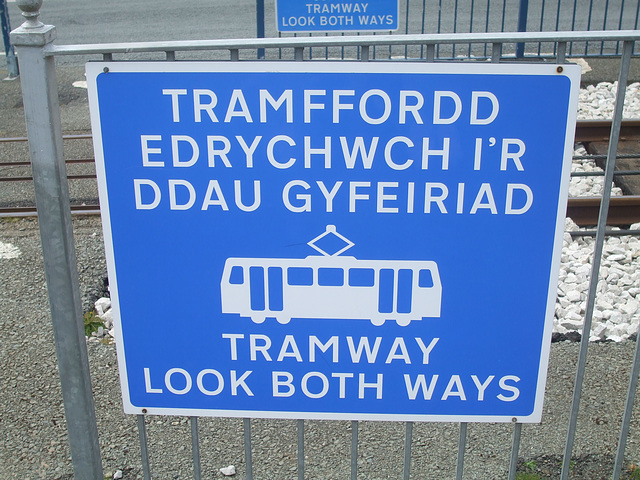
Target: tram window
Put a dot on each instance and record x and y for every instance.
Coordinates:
(300, 276)
(425, 280)
(361, 277)
(330, 277)
(237, 275)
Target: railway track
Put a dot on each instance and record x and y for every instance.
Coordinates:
(623, 211)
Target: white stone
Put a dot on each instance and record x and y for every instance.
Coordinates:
(603, 304)
(107, 317)
(117, 475)
(630, 307)
(573, 296)
(616, 318)
(571, 324)
(8, 251)
(598, 330)
(228, 471)
(102, 305)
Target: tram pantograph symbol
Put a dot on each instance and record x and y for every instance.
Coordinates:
(330, 286)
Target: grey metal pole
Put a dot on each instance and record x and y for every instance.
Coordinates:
(462, 445)
(523, 13)
(42, 115)
(12, 61)
(248, 458)
(408, 440)
(625, 60)
(354, 450)
(628, 411)
(515, 447)
(300, 424)
(260, 25)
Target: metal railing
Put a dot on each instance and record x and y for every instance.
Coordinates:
(490, 16)
(34, 42)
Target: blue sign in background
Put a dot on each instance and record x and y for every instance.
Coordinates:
(334, 15)
(167, 264)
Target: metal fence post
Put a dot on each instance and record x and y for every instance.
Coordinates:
(523, 13)
(12, 61)
(39, 89)
(260, 25)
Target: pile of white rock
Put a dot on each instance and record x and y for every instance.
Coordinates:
(104, 313)
(617, 310)
(597, 101)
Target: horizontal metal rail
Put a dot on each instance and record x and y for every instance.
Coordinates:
(342, 41)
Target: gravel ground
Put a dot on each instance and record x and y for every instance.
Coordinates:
(34, 439)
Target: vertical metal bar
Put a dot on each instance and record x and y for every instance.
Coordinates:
(621, 16)
(439, 26)
(573, 23)
(195, 448)
(364, 53)
(42, 114)
(462, 445)
(486, 24)
(515, 447)
(523, 12)
(408, 437)
(586, 44)
(260, 25)
(627, 48)
(604, 24)
(170, 55)
(620, 25)
(354, 450)
(298, 53)
(326, 49)
(234, 54)
(144, 450)
(573, 17)
(562, 52)
(12, 61)
(431, 52)
(541, 25)
(248, 458)
(406, 29)
(455, 27)
(628, 410)
(107, 57)
(424, 14)
(300, 449)
(471, 25)
(496, 52)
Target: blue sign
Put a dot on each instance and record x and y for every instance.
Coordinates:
(345, 241)
(336, 15)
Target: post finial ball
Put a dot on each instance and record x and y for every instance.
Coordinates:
(30, 11)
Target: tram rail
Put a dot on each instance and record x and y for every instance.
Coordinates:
(623, 211)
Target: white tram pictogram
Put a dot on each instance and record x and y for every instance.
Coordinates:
(330, 286)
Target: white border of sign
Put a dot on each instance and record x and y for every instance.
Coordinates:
(572, 72)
